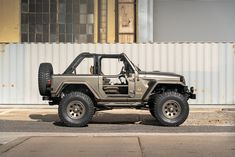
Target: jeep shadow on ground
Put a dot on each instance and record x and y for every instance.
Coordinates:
(102, 118)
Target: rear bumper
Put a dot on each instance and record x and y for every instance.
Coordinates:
(45, 98)
(52, 100)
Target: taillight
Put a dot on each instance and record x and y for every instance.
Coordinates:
(48, 83)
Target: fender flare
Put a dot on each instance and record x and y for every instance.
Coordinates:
(150, 90)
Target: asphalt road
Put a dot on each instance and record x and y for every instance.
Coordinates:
(114, 121)
(99, 127)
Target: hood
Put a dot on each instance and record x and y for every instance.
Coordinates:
(159, 73)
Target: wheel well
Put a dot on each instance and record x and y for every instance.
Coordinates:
(78, 88)
(160, 88)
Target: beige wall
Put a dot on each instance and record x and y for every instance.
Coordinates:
(111, 22)
(107, 31)
(9, 21)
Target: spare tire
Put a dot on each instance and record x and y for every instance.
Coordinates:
(44, 74)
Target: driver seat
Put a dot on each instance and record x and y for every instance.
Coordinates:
(109, 89)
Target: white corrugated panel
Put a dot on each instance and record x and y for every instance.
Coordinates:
(209, 67)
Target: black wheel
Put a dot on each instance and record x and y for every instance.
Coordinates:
(151, 105)
(44, 74)
(76, 109)
(171, 108)
(151, 110)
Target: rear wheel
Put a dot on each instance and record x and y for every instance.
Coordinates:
(170, 108)
(76, 109)
(151, 110)
(151, 105)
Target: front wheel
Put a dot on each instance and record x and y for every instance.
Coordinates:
(171, 108)
(76, 109)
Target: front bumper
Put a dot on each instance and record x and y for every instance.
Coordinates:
(192, 96)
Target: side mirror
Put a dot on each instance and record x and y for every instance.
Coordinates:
(133, 76)
(137, 76)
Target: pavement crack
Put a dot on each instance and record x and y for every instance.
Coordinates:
(141, 147)
(5, 148)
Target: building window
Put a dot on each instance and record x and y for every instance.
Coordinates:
(78, 21)
(57, 21)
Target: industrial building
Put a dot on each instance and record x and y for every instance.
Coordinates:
(191, 37)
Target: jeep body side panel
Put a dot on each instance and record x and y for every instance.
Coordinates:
(143, 86)
(94, 83)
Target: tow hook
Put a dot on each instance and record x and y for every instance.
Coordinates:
(191, 93)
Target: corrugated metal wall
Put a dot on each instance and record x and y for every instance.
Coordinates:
(209, 67)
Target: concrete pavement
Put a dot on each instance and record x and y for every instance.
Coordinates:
(138, 146)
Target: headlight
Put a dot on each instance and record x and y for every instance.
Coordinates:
(191, 89)
(182, 79)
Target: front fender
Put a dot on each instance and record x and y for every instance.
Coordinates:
(153, 84)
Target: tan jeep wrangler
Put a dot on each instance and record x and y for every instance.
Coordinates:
(80, 93)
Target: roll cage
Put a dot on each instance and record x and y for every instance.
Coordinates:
(128, 65)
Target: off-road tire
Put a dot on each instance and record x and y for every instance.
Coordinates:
(44, 74)
(88, 113)
(162, 99)
(151, 105)
(151, 110)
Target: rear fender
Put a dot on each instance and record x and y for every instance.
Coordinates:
(64, 85)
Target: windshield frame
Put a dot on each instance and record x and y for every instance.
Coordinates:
(136, 68)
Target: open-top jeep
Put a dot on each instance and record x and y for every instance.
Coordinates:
(80, 93)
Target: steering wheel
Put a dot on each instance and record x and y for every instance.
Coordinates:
(122, 70)
(122, 75)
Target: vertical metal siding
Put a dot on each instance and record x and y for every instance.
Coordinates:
(209, 67)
